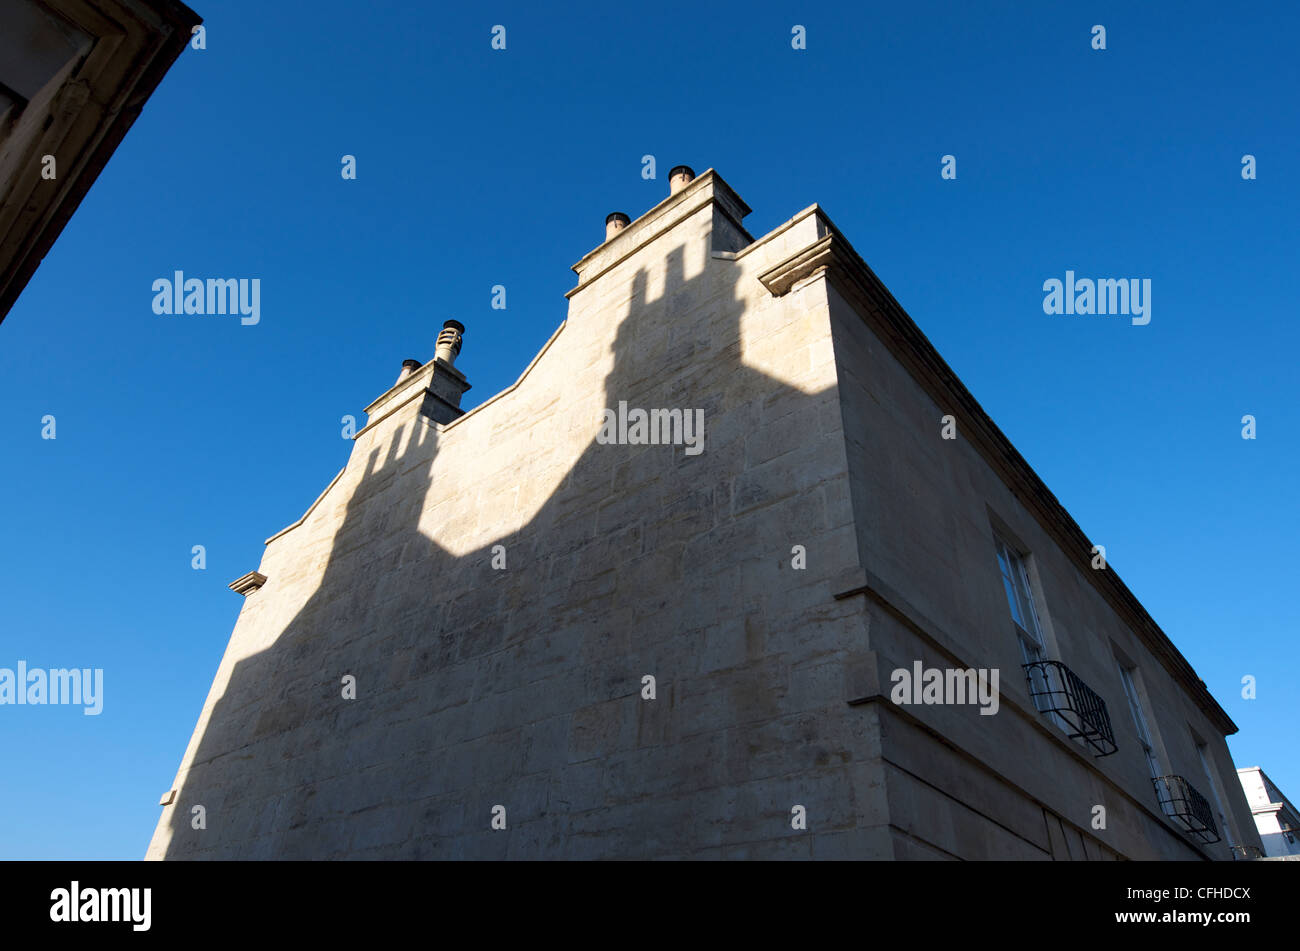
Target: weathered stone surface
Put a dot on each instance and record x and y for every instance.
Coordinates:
(479, 686)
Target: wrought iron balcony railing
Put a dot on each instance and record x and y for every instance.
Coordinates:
(1181, 802)
(1245, 853)
(1058, 691)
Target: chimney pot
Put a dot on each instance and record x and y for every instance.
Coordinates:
(408, 367)
(449, 341)
(614, 223)
(679, 178)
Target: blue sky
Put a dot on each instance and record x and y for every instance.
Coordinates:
(479, 167)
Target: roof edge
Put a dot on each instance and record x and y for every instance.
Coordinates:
(901, 334)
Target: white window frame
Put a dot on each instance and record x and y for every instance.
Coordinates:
(1020, 599)
(1139, 719)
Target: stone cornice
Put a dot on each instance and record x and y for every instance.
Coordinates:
(802, 264)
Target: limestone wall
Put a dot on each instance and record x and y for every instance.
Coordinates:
(522, 687)
(1004, 785)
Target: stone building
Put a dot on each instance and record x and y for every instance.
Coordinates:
(499, 587)
(1276, 819)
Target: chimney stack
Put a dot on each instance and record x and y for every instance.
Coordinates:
(408, 367)
(449, 341)
(615, 223)
(433, 389)
(679, 178)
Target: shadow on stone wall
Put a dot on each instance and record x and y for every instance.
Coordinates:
(521, 687)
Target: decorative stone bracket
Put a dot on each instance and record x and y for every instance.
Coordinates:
(247, 584)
